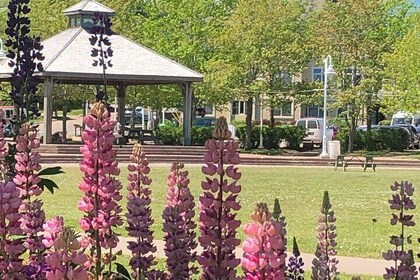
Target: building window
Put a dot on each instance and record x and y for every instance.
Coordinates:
(285, 110)
(318, 74)
(312, 112)
(238, 108)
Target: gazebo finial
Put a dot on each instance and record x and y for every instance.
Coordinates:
(80, 14)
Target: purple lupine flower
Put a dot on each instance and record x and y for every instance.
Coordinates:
(139, 214)
(179, 225)
(295, 266)
(401, 201)
(101, 190)
(324, 265)
(101, 47)
(218, 206)
(25, 57)
(265, 246)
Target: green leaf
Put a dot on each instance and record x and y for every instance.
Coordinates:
(51, 171)
(48, 184)
(123, 272)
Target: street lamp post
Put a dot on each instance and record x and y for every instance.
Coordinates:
(328, 70)
(261, 146)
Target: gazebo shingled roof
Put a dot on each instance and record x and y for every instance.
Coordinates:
(68, 60)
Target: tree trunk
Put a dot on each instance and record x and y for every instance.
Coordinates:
(272, 121)
(352, 134)
(248, 141)
(133, 116)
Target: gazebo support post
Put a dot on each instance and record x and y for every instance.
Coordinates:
(187, 114)
(121, 105)
(48, 108)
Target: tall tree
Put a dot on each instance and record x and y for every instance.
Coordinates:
(262, 45)
(358, 34)
(403, 71)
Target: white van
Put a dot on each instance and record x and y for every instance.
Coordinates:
(405, 118)
(314, 130)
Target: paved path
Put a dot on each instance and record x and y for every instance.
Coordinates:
(348, 265)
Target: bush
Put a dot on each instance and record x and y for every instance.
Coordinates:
(293, 135)
(169, 134)
(199, 135)
(382, 139)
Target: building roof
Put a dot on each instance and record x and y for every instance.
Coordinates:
(88, 7)
(68, 59)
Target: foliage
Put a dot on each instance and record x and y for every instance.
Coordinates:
(169, 134)
(358, 34)
(199, 135)
(324, 265)
(402, 75)
(179, 225)
(265, 247)
(404, 267)
(374, 140)
(219, 206)
(293, 135)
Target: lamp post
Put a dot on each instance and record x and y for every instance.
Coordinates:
(261, 146)
(328, 70)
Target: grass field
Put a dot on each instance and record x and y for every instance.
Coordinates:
(360, 201)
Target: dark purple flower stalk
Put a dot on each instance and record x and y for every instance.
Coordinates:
(218, 206)
(101, 47)
(25, 57)
(324, 265)
(179, 225)
(139, 214)
(403, 260)
(295, 266)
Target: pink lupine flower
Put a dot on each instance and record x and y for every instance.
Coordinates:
(101, 191)
(64, 259)
(264, 248)
(139, 215)
(218, 203)
(179, 225)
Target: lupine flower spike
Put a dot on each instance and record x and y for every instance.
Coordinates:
(218, 206)
(403, 259)
(65, 260)
(324, 265)
(179, 225)
(264, 248)
(139, 214)
(101, 191)
(295, 266)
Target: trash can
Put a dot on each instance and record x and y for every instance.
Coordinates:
(334, 148)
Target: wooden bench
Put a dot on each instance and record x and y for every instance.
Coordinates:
(369, 163)
(340, 162)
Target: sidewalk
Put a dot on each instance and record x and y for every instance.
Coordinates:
(348, 265)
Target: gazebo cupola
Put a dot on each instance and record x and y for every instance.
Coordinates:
(80, 15)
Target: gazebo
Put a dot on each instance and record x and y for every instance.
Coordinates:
(68, 61)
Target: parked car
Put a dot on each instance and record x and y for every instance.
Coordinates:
(204, 121)
(314, 130)
(138, 111)
(413, 136)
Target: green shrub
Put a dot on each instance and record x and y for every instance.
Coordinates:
(293, 135)
(382, 139)
(199, 135)
(169, 134)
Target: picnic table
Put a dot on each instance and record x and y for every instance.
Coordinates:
(140, 135)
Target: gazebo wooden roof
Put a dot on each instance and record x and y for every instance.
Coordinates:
(68, 60)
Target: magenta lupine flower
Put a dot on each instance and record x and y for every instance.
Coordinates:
(179, 225)
(139, 214)
(264, 248)
(404, 267)
(26, 179)
(218, 206)
(10, 248)
(324, 265)
(101, 191)
(64, 259)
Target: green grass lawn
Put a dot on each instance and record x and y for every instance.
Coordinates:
(360, 201)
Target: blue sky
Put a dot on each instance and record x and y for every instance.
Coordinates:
(417, 2)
